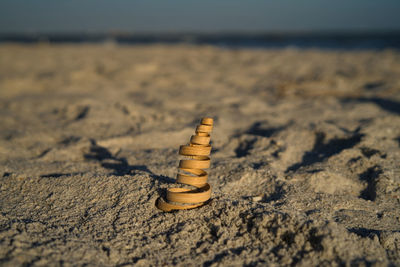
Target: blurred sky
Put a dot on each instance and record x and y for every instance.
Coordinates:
(44, 16)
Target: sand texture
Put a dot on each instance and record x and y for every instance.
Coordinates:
(305, 164)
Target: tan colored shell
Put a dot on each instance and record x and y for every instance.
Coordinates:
(191, 172)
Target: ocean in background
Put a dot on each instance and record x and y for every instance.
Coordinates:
(328, 41)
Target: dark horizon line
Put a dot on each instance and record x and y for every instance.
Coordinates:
(219, 32)
(306, 39)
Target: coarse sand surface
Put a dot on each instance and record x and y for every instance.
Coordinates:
(305, 166)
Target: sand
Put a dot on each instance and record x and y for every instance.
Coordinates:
(305, 161)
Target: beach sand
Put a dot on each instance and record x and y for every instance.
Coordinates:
(305, 162)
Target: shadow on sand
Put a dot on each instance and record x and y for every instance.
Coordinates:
(119, 165)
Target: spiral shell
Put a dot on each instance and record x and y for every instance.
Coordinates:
(191, 172)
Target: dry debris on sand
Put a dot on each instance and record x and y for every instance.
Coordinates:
(305, 162)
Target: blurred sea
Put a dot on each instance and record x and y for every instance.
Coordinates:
(331, 40)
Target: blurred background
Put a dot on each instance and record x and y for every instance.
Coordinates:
(323, 24)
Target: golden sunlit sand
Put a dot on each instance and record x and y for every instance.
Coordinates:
(304, 170)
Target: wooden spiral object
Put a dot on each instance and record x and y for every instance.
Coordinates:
(191, 172)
